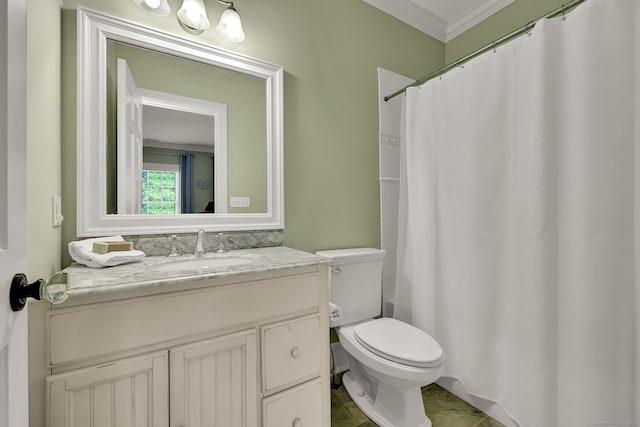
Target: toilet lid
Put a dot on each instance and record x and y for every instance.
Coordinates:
(400, 342)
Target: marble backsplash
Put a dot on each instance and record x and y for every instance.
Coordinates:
(159, 244)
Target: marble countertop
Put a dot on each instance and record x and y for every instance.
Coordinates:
(88, 281)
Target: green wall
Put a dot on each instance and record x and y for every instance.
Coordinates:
(330, 51)
(68, 137)
(43, 134)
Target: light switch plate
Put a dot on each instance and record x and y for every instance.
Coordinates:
(56, 211)
(240, 202)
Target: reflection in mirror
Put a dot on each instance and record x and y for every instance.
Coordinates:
(177, 162)
(132, 179)
(182, 97)
(167, 148)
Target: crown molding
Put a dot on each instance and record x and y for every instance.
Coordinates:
(473, 17)
(414, 15)
(418, 17)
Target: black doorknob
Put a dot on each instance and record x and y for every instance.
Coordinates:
(53, 289)
(21, 290)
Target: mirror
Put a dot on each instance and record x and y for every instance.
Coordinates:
(187, 114)
(174, 135)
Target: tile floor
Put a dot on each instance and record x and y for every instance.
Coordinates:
(443, 408)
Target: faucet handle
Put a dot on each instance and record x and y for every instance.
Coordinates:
(173, 239)
(199, 249)
(221, 240)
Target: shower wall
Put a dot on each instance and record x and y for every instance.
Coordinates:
(390, 114)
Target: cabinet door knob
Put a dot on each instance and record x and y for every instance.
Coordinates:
(295, 353)
(296, 423)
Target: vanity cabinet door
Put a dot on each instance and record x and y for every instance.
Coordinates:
(126, 393)
(214, 382)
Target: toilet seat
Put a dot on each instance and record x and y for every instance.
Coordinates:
(399, 342)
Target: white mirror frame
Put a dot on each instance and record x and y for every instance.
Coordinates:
(94, 29)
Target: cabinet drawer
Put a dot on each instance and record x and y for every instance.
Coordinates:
(297, 407)
(291, 351)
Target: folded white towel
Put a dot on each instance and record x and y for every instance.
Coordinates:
(82, 252)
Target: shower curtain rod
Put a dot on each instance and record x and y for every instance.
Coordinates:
(502, 40)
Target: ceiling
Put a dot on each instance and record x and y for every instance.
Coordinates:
(168, 128)
(441, 19)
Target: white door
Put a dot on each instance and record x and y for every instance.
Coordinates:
(14, 399)
(129, 142)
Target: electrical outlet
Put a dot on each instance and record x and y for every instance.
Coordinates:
(240, 202)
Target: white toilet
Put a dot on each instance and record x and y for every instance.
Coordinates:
(389, 360)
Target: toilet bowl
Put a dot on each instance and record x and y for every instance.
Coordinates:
(389, 360)
(386, 383)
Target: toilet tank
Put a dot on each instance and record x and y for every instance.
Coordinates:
(356, 283)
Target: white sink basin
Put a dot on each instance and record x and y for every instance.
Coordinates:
(198, 264)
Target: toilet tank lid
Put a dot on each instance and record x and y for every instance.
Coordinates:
(346, 256)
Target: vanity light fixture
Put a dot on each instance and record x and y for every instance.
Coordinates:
(230, 26)
(158, 7)
(192, 16)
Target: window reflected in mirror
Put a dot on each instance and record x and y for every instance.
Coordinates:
(160, 189)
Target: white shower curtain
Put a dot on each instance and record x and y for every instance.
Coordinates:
(519, 237)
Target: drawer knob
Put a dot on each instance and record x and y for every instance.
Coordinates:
(296, 423)
(295, 353)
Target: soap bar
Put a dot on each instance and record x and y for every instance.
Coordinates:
(104, 247)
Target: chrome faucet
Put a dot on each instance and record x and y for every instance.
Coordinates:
(199, 249)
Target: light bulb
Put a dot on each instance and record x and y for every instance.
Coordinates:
(193, 16)
(157, 7)
(230, 26)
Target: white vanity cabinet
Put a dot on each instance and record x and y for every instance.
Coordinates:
(244, 351)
